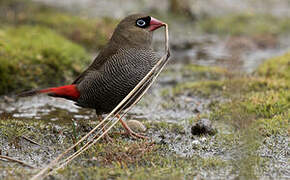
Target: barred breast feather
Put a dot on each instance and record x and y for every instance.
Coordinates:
(104, 88)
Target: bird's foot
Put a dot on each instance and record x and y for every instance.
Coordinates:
(136, 135)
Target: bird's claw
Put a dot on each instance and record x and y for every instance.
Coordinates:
(136, 135)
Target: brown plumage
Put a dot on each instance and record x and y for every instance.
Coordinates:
(118, 68)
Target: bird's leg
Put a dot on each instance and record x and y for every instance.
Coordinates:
(129, 130)
(106, 136)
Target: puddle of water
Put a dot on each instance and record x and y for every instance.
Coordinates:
(150, 108)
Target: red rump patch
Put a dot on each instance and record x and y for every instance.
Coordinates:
(68, 91)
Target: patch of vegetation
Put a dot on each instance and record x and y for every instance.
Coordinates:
(203, 88)
(276, 68)
(231, 86)
(205, 80)
(150, 162)
(165, 126)
(120, 159)
(213, 81)
(29, 55)
(260, 108)
(91, 33)
(262, 102)
(245, 24)
(204, 72)
(13, 131)
(278, 124)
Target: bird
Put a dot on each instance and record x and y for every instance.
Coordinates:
(117, 69)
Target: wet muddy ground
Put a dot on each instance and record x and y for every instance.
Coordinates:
(168, 111)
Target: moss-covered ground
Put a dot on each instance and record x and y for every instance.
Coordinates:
(30, 54)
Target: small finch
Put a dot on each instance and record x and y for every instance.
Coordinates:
(119, 67)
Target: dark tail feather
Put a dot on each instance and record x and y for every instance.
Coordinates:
(28, 93)
(68, 92)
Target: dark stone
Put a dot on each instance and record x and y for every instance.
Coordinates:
(196, 110)
(162, 139)
(203, 127)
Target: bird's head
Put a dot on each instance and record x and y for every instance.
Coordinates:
(136, 30)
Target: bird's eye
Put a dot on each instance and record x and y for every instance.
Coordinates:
(140, 23)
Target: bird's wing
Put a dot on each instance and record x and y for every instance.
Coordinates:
(98, 62)
(82, 75)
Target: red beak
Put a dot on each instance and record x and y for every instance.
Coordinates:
(155, 24)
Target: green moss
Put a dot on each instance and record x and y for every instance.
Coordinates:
(229, 87)
(254, 106)
(279, 124)
(170, 127)
(204, 88)
(204, 69)
(213, 81)
(29, 55)
(277, 67)
(13, 131)
(262, 102)
(267, 104)
(153, 164)
(92, 33)
(245, 24)
(254, 84)
(205, 72)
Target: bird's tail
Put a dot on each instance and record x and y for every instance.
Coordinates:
(68, 92)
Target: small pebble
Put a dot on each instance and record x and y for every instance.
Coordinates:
(136, 126)
(196, 110)
(195, 142)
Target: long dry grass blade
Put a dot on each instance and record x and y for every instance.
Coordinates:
(150, 77)
(15, 160)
